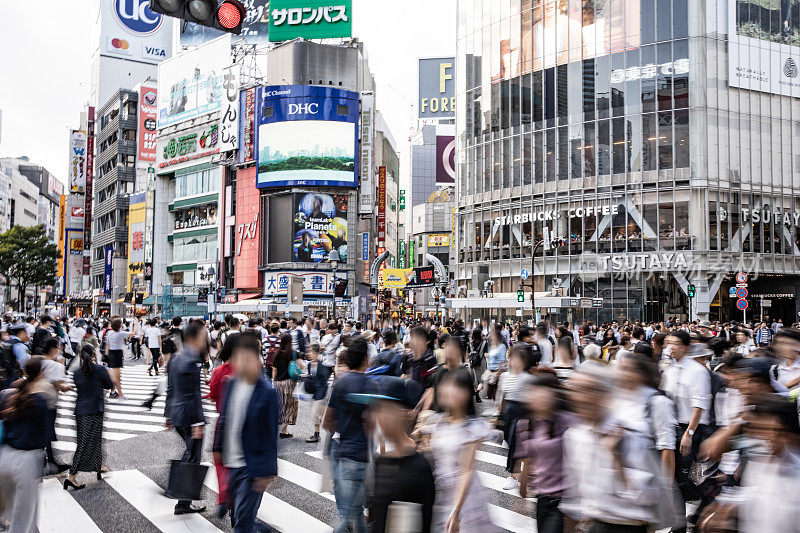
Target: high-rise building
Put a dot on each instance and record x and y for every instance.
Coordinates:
(632, 154)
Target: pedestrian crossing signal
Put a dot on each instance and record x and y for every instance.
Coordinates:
(690, 292)
(520, 296)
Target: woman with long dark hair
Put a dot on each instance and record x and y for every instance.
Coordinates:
(25, 423)
(90, 381)
(115, 345)
(284, 384)
(456, 434)
(477, 360)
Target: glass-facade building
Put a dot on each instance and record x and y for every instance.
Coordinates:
(604, 149)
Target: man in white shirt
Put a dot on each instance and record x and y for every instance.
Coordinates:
(545, 346)
(688, 384)
(787, 348)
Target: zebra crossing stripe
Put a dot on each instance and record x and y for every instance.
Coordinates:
(510, 520)
(277, 513)
(302, 477)
(147, 428)
(59, 512)
(149, 500)
(107, 435)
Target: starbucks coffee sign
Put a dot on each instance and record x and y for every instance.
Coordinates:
(555, 214)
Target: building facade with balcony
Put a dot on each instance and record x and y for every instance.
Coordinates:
(115, 180)
(606, 150)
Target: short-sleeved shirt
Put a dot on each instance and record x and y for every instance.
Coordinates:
(349, 417)
(688, 385)
(116, 339)
(153, 335)
(53, 371)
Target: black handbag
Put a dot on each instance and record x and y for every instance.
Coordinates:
(186, 480)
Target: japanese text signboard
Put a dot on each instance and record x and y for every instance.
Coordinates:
(310, 19)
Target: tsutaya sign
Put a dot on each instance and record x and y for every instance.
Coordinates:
(645, 261)
(775, 216)
(554, 214)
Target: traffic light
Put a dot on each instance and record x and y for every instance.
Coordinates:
(223, 15)
(690, 291)
(520, 296)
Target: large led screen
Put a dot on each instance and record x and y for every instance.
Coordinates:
(308, 152)
(306, 135)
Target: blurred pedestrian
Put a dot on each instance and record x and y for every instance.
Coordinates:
(284, 384)
(246, 439)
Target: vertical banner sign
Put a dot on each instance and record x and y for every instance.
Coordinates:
(247, 126)
(402, 253)
(148, 113)
(108, 258)
(366, 135)
(229, 124)
(87, 220)
(381, 205)
(365, 246)
(77, 161)
(445, 159)
(62, 221)
(411, 253)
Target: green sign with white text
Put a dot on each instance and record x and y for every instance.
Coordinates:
(310, 19)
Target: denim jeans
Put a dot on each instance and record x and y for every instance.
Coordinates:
(245, 501)
(350, 493)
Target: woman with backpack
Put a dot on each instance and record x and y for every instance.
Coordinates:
(477, 359)
(284, 377)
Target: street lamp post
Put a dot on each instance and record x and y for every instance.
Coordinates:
(334, 259)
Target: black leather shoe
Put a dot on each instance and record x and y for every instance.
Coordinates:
(313, 438)
(191, 508)
(222, 510)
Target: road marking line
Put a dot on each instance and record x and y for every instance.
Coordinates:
(276, 512)
(148, 498)
(107, 435)
(302, 477)
(58, 511)
(510, 520)
(148, 428)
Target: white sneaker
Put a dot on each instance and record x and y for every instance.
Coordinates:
(511, 484)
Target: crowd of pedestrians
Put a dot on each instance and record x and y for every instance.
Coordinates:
(619, 427)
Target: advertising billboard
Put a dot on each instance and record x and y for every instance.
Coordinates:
(185, 147)
(77, 161)
(367, 132)
(437, 88)
(320, 225)
(248, 230)
(108, 270)
(764, 46)
(318, 283)
(229, 121)
(445, 159)
(408, 278)
(255, 27)
(247, 125)
(381, 205)
(148, 131)
(129, 29)
(439, 239)
(191, 84)
(306, 135)
(310, 19)
(87, 221)
(136, 228)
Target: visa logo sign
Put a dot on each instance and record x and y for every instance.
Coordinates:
(157, 53)
(304, 109)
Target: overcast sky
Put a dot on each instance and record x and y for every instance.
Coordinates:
(46, 55)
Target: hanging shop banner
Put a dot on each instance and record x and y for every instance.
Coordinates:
(186, 147)
(381, 205)
(366, 137)
(310, 19)
(148, 131)
(412, 244)
(108, 265)
(136, 229)
(439, 239)
(77, 161)
(306, 135)
(365, 246)
(229, 122)
(87, 219)
(320, 225)
(247, 126)
(62, 228)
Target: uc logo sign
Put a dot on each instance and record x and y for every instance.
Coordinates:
(137, 16)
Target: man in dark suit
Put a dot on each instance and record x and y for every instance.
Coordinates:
(246, 440)
(184, 405)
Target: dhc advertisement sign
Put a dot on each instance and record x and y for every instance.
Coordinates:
(306, 135)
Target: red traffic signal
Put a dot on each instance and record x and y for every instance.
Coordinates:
(223, 15)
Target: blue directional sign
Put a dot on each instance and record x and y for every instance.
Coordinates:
(524, 274)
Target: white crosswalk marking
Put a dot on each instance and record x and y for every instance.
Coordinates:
(124, 419)
(58, 511)
(148, 498)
